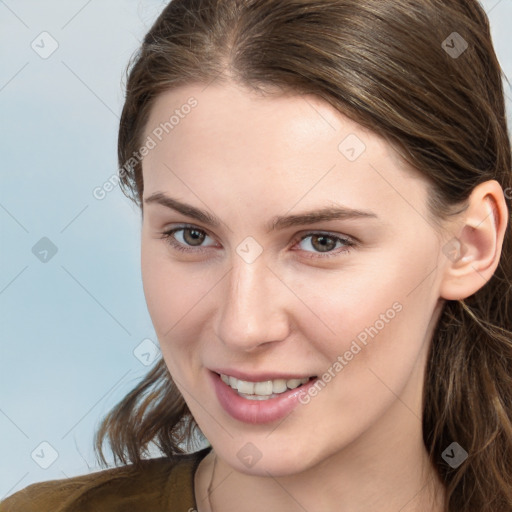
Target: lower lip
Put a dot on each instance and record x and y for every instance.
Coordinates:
(257, 411)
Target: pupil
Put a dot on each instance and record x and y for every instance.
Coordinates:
(324, 247)
(197, 237)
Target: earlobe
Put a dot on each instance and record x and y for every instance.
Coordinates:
(472, 255)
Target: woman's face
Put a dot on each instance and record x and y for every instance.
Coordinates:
(265, 288)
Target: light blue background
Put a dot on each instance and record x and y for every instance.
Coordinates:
(71, 328)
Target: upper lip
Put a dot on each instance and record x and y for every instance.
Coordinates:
(259, 377)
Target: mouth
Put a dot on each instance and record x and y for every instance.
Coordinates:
(265, 389)
(259, 399)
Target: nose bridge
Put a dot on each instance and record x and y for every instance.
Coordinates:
(251, 312)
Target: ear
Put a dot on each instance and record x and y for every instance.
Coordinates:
(473, 252)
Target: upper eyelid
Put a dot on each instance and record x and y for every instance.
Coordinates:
(300, 236)
(188, 226)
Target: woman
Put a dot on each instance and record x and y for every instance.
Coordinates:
(325, 193)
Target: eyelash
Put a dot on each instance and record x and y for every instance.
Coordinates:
(349, 244)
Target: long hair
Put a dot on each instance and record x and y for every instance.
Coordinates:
(424, 75)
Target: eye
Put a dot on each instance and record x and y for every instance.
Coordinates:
(323, 243)
(191, 235)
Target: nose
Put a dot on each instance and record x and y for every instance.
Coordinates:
(253, 307)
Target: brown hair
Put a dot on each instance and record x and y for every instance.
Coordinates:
(387, 65)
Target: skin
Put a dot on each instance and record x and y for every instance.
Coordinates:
(247, 158)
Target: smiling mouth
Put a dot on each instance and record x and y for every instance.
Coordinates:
(263, 390)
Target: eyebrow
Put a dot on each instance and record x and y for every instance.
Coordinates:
(278, 222)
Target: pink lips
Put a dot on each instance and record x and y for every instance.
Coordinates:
(257, 411)
(257, 377)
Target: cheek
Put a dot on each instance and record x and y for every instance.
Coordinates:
(378, 317)
(175, 296)
(166, 306)
(379, 325)
(165, 288)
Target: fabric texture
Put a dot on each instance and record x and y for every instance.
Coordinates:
(162, 485)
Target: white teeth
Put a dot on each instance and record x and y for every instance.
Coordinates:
(294, 383)
(258, 397)
(245, 387)
(260, 388)
(279, 385)
(264, 389)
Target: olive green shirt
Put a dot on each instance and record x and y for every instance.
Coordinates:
(163, 485)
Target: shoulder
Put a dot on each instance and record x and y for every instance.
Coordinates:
(161, 485)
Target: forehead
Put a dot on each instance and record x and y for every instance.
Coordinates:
(245, 120)
(279, 147)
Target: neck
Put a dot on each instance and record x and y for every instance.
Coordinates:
(395, 476)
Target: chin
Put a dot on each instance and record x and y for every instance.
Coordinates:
(268, 459)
